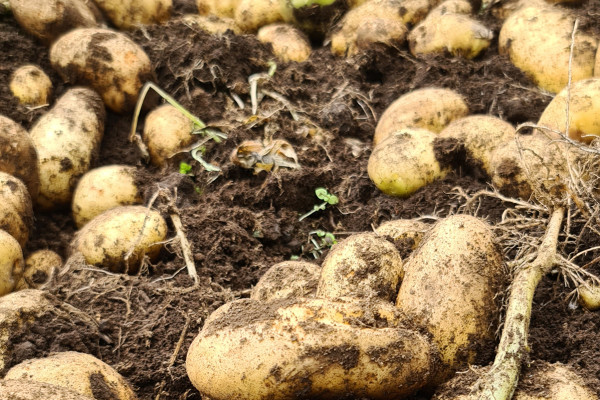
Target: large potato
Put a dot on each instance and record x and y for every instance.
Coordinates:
(18, 155)
(289, 44)
(545, 381)
(40, 266)
(108, 61)
(252, 14)
(167, 132)
(106, 240)
(67, 139)
(16, 212)
(21, 389)
(31, 85)
(287, 279)
(127, 14)
(11, 263)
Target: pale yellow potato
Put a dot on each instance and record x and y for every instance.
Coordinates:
(406, 234)
(67, 139)
(287, 279)
(427, 108)
(405, 162)
(40, 266)
(31, 85)
(106, 239)
(289, 43)
(11, 263)
(414, 11)
(589, 296)
(504, 9)
(117, 68)
(19, 156)
(250, 15)
(364, 266)
(552, 382)
(320, 348)
(16, 212)
(103, 188)
(80, 372)
(449, 287)
(220, 8)
(538, 42)
(451, 6)
(211, 23)
(21, 389)
(128, 14)
(167, 132)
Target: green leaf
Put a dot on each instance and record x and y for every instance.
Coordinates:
(184, 168)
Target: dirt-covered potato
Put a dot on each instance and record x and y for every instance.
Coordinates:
(450, 286)
(22, 389)
(252, 14)
(428, 108)
(545, 381)
(362, 266)
(127, 14)
(16, 212)
(318, 348)
(108, 61)
(405, 162)
(106, 240)
(538, 41)
(67, 139)
(40, 266)
(589, 296)
(406, 234)
(31, 85)
(220, 8)
(289, 44)
(18, 155)
(504, 9)
(103, 188)
(80, 372)
(11, 263)
(211, 23)
(287, 279)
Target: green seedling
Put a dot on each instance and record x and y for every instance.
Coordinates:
(185, 168)
(328, 199)
(327, 240)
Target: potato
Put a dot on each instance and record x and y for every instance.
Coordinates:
(16, 213)
(252, 14)
(427, 108)
(40, 266)
(11, 262)
(102, 189)
(363, 266)
(406, 234)
(21, 389)
(545, 381)
(220, 8)
(67, 139)
(449, 287)
(106, 239)
(211, 23)
(19, 156)
(538, 42)
(287, 279)
(504, 9)
(405, 162)
(127, 14)
(289, 44)
(108, 61)
(31, 85)
(589, 296)
(314, 347)
(48, 19)
(79, 372)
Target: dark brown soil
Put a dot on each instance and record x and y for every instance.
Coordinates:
(240, 223)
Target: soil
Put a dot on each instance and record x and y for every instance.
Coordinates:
(239, 223)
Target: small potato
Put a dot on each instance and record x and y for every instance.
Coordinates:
(67, 139)
(220, 8)
(40, 266)
(289, 44)
(589, 296)
(108, 61)
(405, 162)
(21, 389)
(19, 156)
(31, 85)
(428, 108)
(106, 240)
(167, 132)
(11, 263)
(127, 14)
(102, 189)
(287, 279)
(79, 372)
(545, 381)
(16, 212)
(250, 15)
(406, 234)
(211, 23)
(364, 266)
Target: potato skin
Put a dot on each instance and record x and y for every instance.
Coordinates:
(11, 262)
(108, 61)
(250, 15)
(127, 14)
(220, 8)
(21, 389)
(559, 382)
(211, 23)
(31, 85)
(406, 234)
(289, 44)
(16, 212)
(40, 266)
(287, 279)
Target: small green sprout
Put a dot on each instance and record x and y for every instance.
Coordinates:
(328, 199)
(327, 240)
(185, 168)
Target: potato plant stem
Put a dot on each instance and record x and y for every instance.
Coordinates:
(185, 246)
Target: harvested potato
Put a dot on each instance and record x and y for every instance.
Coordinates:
(405, 162)
(250, 15)
(428, 108)
(31, 85)
(67, 139)
(320, 348)
(106, 240)
(287, 279)
(315, 17)
(449, 287)
(79, 372)
(16, 212)
(102, 189)
(504, 9)
(406, 234)
(452, 7)
(40, 266)
(211, 23)
(220, 8)
(19, 156)
(108, 61)
(127, 14)
(538, 41)
(362, 266)
(21, 389)
(589, 296)
(289, 44)
(11, 263)
(545, 381)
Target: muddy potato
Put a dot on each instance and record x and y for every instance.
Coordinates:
(40, 266)
(106, 239)
(67, 139)
(552, 382)
(31, 85)
(538, 41)
(406, 234)
(428, 108)
(18, 156)
(103, 188)
(80, 372)
(289, 44)
(405, 162)
(287, 279)
(220, 8)
(21, 389)
(16, 212)
(127, 14)
(211, 23)
(250, 15)
(589, 296)
(11, 263)
(108, 61)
